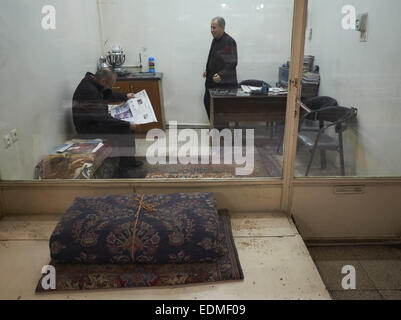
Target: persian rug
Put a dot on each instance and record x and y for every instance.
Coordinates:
(220, 171)
(272, 162)
(266, 164)
(127, 229)
(184, 175)
(71, 277)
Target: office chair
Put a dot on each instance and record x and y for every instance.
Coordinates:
(335, 116)
(314, 103)
(317, 103)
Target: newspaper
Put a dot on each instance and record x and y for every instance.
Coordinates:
(138, 110)
(80, 147)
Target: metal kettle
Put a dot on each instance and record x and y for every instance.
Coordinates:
(102, 63)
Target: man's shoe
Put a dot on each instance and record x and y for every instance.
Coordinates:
(136, 164)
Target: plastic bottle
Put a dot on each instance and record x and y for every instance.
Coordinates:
(144, 58)
(152, 65)
(265, 88)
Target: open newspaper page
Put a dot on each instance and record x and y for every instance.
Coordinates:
(138, 110)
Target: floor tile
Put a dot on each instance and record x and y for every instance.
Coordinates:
(265, 224)
(385, 274)
(331, 253)
(356, 295)
(377, 252)
(27, 227)
(391, 294)
(330, 271)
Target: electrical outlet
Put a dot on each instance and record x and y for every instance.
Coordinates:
(364, 36)
(14, 135)
(7, 140)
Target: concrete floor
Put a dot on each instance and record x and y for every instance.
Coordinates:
(377, 270)
(274, 258)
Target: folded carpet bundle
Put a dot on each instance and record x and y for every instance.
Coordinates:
(140, 229)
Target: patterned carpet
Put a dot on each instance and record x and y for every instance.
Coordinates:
(111, 276)
(265, 165)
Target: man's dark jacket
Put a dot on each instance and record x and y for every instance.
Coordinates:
(90, 108)
(223, 60)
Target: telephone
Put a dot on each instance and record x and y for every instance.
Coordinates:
(361, 21)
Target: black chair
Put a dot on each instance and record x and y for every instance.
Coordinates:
(332, 116)
(316, 103)
(308, 123)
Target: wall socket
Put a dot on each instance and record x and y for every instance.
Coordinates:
(7, 140)
(14, 135)
(10, 138)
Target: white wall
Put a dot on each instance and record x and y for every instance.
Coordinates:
(39, 71)
(177, 34)
(365, 75)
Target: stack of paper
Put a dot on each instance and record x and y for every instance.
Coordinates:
(248, 89)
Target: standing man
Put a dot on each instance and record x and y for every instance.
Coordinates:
(222, 61)
(92, 119)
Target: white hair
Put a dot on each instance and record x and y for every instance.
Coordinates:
(220, 21)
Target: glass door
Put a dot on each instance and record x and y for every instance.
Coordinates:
(347, 164)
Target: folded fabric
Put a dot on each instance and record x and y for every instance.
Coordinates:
(111, 276)
(79, 160)
(126, 229)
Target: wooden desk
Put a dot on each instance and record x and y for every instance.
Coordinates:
(244, 107)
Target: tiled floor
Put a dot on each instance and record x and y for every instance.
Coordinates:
(273, 256)
(377, 270)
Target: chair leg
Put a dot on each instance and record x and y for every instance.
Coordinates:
(312, 155)
(340, 137)
(279, 145)
(281, 139)
(271, 130)
(310, 161)
(323, 163)
(322, 152)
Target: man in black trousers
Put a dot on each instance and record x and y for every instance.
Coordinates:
(92, 119)
(222, 61)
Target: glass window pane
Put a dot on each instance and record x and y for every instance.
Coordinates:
(60, 120)
(356, 63)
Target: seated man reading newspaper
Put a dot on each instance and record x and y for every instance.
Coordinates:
(92, 119)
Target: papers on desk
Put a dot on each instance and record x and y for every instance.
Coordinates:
(138, 110)
(276, 90)
(75, 147)
(272, 91)
(248, 89)
(63, 147)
